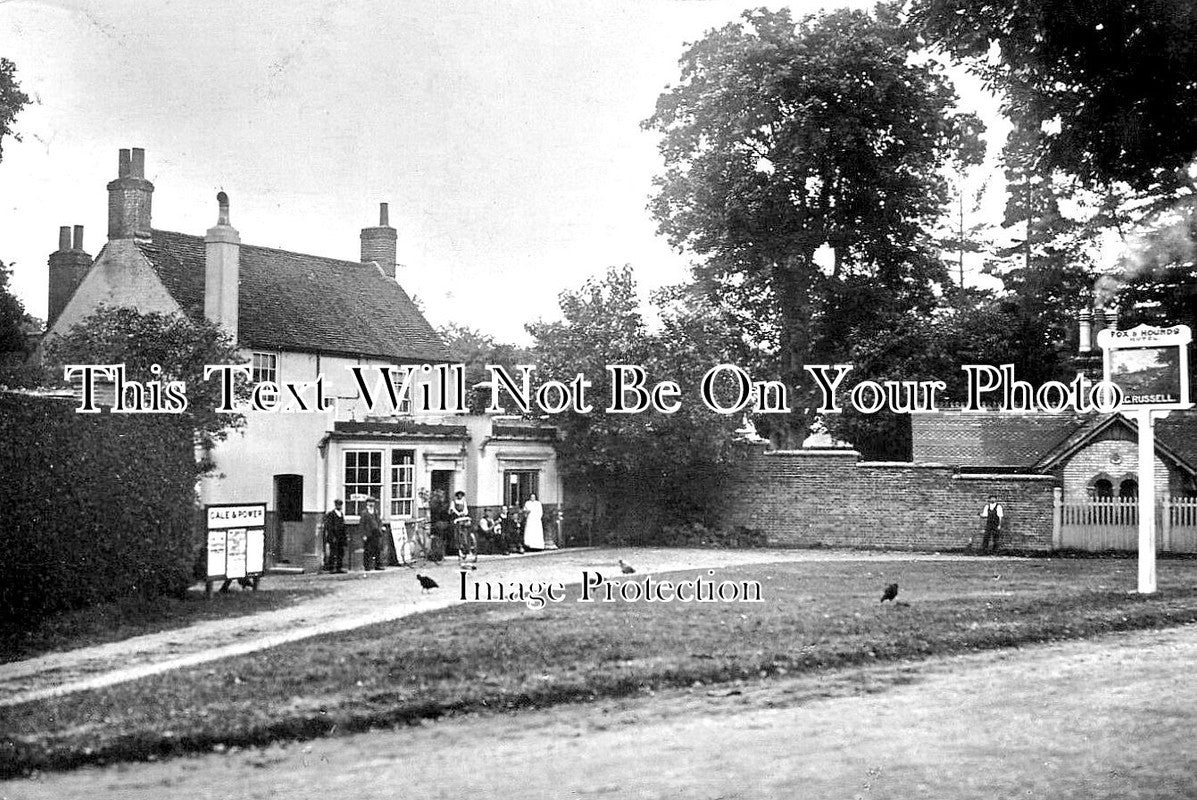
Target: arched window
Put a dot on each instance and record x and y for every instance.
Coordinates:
(1128, 488)
(1103, 489)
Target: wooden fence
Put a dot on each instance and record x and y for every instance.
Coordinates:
(1179, 525)
(1113, 524)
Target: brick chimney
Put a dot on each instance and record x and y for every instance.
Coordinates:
(68, 266)
(129, 198)
(222, 270)
(379, 244)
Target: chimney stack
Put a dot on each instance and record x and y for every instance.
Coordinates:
(379, 245)
(222, 270)
(1085, 344)
(68, 267)
(129, 198)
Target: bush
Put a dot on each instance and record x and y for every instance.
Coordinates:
(93, 507)
(697, 534)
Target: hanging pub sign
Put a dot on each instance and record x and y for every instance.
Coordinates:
(236, 543)
(1150, 365)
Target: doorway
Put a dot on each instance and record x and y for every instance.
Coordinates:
(288, 512)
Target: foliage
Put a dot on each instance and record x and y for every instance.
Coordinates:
(12, 100)
(93, 507)
(983, 328)
(14, 352)
(1115, 78)
(179, 345)
(644, 465)
(781, 137)
(475, 350)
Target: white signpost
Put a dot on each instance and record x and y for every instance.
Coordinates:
(1151, 367)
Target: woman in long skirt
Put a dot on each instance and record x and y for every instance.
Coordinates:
(533, 524)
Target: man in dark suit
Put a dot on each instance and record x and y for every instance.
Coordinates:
(334, 537)
(371, 527)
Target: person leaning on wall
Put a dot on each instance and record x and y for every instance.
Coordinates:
(992, 513)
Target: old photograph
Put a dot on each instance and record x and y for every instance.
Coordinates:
(598, 398)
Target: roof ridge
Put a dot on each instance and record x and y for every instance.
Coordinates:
(362, 264)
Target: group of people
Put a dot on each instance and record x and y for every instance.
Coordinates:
(509, 530)
(516, 530)
(336, 537)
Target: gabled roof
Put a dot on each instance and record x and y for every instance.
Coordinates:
(1040, 441)
(299, 302)
(1097, 424)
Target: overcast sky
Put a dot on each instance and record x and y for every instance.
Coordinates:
(505, 134)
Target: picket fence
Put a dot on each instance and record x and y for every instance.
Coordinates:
(1113, 524)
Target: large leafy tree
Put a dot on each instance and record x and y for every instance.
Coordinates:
(475, 350)
(12, 100)
(783, 136)
(1114, 78)
(641, 468)
(180, 346)
(13, 319)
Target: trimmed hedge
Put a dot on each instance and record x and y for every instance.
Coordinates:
(92, 506)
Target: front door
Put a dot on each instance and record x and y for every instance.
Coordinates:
(288, 508)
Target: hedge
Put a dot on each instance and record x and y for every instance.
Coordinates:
(93, 507)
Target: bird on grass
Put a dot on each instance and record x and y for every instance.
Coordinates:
(426, 583)
(625, 567)
(890, 592)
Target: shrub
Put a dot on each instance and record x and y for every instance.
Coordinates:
(92, 507)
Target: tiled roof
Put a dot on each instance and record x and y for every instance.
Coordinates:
(298, 302)
(993, 440)
(1033, 441)
(1178, 431)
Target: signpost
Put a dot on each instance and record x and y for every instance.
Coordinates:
(1151, 367)
(236, 543)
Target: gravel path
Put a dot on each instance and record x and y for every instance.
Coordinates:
(353, 600)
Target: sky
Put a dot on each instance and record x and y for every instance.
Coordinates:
(504, 134)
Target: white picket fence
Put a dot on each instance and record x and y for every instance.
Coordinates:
(1179, 528)
(1113, 524)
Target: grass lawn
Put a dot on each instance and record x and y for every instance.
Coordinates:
(815, 616)
(117, 621)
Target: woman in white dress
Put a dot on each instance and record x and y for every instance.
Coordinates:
(533, 524)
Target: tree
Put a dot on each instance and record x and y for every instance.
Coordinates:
(781, 137)
(476, 350)
(12, 100)
(177, 344)
(13, 319)
(1112, 78)
(15, 322)
(643, 468)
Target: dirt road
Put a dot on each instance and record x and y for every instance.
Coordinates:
(1109, 718)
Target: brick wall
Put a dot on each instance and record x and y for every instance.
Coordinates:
(811, 497)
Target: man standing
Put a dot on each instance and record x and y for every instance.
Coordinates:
(371, 528)
(992, 514)
(334, 537)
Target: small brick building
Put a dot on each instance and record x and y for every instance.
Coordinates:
(1092, 456)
